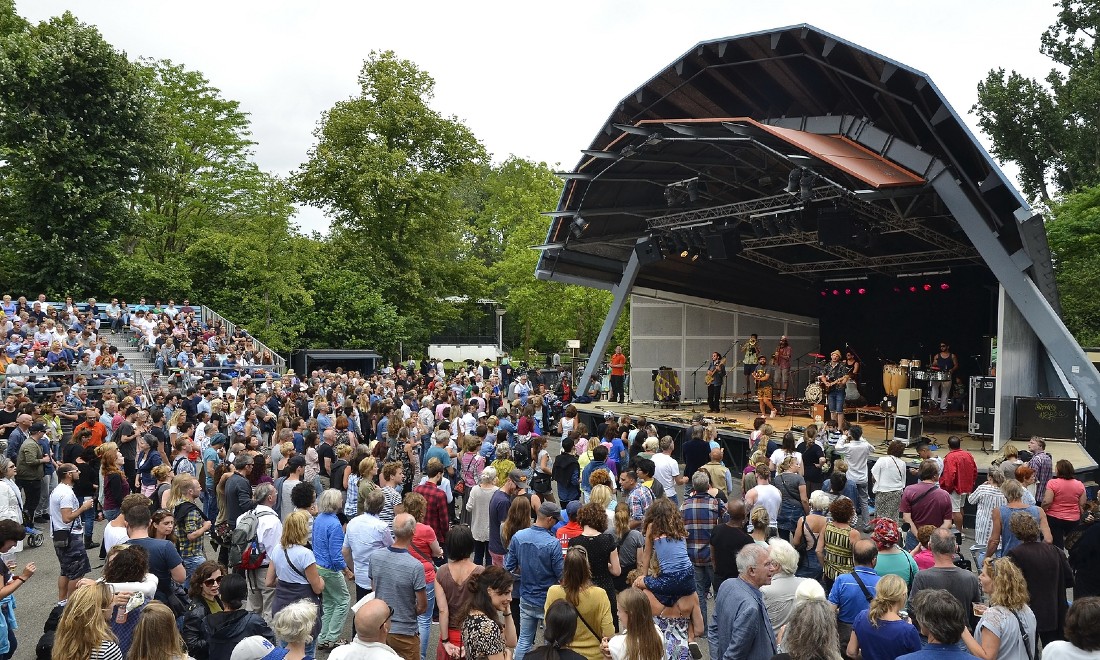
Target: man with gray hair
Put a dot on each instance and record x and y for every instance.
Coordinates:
(269, 530)
(398, 579)
(941, 619)
(366, 534)
(960, 583)
(740, 628)
(666, 470)
(701, 512)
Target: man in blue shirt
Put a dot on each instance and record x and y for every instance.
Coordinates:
(942, 620)
(598, 462)
(852, 592)
(537, 556)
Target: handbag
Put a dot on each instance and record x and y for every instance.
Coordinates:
(540, 483)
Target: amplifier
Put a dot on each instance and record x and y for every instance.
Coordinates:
(908, 401)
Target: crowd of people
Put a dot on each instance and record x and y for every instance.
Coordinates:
(253, 515)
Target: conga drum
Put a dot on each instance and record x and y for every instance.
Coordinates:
(900, 380)
(888, 378)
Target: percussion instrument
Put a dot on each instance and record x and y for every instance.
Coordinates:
(903, 363)
(939, 376)
(814, 393)
(914, 364)
(816, 356)
(893, 379)
(921, 374)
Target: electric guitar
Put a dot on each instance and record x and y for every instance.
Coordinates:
(714, 371)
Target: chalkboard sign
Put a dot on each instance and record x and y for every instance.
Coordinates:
(1046, 418)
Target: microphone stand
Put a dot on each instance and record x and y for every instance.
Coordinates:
(695, 384)
(726, 381)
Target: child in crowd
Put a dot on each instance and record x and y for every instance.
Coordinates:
(666, 537)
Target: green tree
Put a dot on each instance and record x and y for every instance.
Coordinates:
(388, 170)
(75, 133)
(1050, 129)
(1074, 235)
(540, 314)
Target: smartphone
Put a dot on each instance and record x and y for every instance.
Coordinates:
(696, 652)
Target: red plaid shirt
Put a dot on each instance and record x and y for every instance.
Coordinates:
(436, 514)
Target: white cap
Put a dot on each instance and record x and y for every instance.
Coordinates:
(252, 648)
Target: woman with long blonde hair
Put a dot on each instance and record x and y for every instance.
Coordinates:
(640, 639)
(156, 636)
(880, 632)
(1007, 629)
(82, 631)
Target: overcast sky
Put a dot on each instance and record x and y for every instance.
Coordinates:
(536, 80)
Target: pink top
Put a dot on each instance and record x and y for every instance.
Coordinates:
(924, 559)
(1067, 495)
(421, 548)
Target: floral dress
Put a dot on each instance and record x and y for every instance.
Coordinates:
(675, 633)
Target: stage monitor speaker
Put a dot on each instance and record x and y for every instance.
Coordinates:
(649, 251)
(908, 402)
(834, 226)
(908, 429)
(722, 245)
(983, 405)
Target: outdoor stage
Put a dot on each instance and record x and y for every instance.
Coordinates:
(736, 422)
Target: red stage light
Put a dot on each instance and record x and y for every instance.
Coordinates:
(847, 292)
(824, 293)
(836, 293)
(927, 287)
(897, 289)
(862, 291)
(912, 289)
(945, 286)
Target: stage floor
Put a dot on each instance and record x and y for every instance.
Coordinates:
(735, 422)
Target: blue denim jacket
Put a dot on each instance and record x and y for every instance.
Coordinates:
(537, 555)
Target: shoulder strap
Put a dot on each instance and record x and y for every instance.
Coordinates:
(925, 494)
(806, 528)
(581, 617)
(296, 569)
(862, 587)
(1023, 633)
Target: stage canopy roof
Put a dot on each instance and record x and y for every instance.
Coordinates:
(712, 144)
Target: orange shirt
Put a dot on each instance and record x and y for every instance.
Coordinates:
(618, 364)
(99, 433)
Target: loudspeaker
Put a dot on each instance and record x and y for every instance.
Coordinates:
(908, 429)
(834, 226)
(722, 245)
(908, 402)
(648, 251)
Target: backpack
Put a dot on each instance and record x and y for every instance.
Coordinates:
(245, 550)
(521, 453)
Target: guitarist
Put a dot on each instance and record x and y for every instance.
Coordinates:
(764, 377)
(716, 374)
(834, 380)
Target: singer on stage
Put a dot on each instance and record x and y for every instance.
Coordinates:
(716, 374)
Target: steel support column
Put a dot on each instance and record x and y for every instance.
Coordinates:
(1011, 272)
(621, 293)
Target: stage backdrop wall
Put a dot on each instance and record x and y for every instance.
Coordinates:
(680, 332)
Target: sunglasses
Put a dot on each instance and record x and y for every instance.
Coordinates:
(216, 581)
(386, 620)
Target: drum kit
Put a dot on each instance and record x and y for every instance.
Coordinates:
(815, 393)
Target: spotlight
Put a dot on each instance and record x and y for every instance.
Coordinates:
(695, 256)
(945, 286)
(806, 186)
(897, 289)
(758, 229)
(927, 287)
(578, 226)
(792, 181)
(862, 291)
(836, 292)
(693, 190)
(824, 293)
(912, 289)
(847, 292)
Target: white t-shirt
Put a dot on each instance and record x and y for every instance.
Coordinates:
(63, 497)
(302, 557)
(665, 470)
(1063, 650)
(779, 455)
(617, 645)
(113, 536)
(769, 497)
(856, 453)
(889, 473)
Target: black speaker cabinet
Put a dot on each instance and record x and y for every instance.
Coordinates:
(908, 429)
(983, 405)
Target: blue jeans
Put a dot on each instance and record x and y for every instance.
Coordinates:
(836, 402)
(530, 616)
(424, 621)
(88, 518)
(189, 565)
(704, 578)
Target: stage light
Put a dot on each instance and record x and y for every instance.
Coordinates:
(927, 287)
(847, 292)
(793, 180)
(824, 293)
(897, 289)
(836, 292)
(945, 286)
(578, 226)
(806, 186)
(758, 229)
(912, 289)
(695, 256)
(862, 291)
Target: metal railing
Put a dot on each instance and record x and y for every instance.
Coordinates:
(208, 316)
(118, 378)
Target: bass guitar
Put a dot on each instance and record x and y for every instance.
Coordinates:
(714, 371)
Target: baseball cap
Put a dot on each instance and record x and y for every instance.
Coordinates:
(252, 648)
(480, 414)
(38, 427)
(296, 462)
(572, 508)
(550, 510)
(519, 477)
